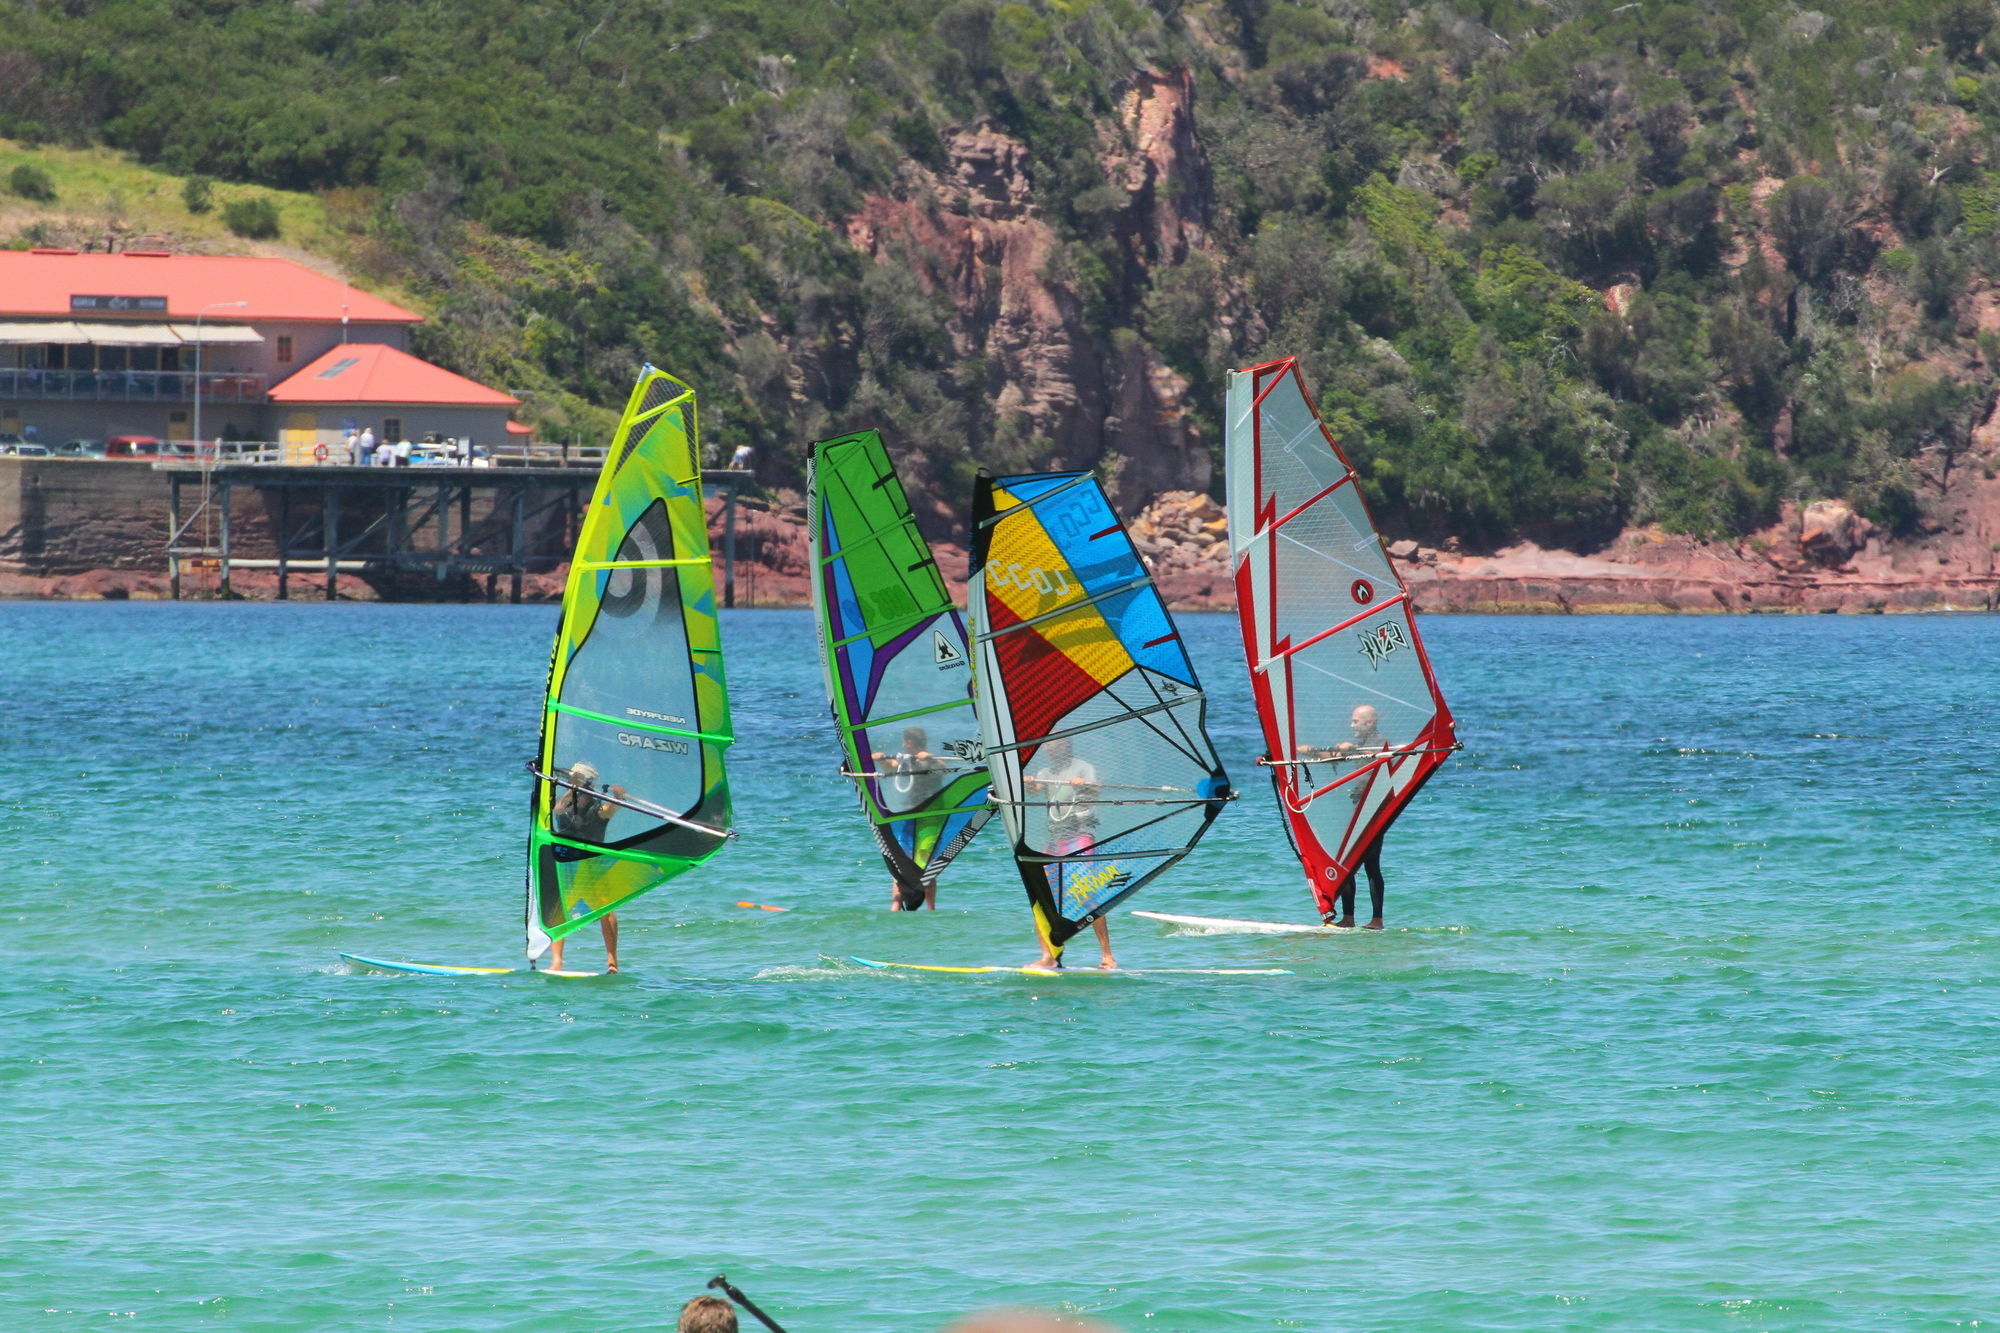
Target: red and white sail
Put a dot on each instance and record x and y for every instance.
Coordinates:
(1353, 720)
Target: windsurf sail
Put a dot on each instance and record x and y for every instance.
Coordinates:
(897, 671)
(629, 784)
(1354, 723)
(1090, 712)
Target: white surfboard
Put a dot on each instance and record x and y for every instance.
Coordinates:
(451, 969)
(1219, 925)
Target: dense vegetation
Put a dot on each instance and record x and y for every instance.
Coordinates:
(1792, 207)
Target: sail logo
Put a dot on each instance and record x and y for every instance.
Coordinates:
(659, 743)
(1082, 888)
(1039, 581)
(657, 717)
(1379, 643)
(945, 653)
(973, 751)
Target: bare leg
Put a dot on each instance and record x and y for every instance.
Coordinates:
(895, 896)
(930, 896)
(1105, 960)
(555, 956)
(609, 922)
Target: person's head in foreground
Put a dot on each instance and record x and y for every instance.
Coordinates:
(1363, 720)
(707, 1314)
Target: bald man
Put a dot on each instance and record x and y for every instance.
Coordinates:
(1368, 743)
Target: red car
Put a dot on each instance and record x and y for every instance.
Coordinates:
(132, 446)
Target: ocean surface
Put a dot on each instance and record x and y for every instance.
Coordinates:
(1687, 1017)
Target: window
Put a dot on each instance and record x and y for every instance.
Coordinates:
(284, 349)
(392, 428)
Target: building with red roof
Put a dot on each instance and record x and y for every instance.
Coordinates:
(217, 346)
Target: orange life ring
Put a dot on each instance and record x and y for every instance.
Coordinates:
(319, 452)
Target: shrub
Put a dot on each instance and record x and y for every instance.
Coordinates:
(198, 193)
(255, 218)
(31, 182)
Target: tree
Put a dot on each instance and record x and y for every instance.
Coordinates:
(31, 182)
(255, 218)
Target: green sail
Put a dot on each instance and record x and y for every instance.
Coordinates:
(630, 789)
(897, 671)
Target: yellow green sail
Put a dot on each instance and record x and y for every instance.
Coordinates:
(630, 788)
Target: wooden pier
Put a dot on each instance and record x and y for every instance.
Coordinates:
(444, 522)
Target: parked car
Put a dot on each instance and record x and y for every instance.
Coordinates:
(132, 446)
(8, 443)
(29, 450)
(81, 449)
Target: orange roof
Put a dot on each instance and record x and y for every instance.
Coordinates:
(43, 282)
(519, 428)
(377, 373)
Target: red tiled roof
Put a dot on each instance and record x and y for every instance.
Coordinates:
(42, 283)
(377, 373)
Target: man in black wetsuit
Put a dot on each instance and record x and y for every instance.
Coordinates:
(1367, 744)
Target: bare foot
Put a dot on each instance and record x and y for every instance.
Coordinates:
(1345, 923)
(1376, 924)
(1045, 964)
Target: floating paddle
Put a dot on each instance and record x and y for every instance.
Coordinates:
(764, 908)
(729, 1289)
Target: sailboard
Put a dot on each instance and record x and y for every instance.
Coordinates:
(1090, 713)
(630, 789)
(449, 969)
(898, 673)
(1222, 925)
(1354, 723)
(1080, 971)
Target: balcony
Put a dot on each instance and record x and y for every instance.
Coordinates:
(130, 386)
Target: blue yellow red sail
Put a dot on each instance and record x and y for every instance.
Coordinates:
(1090, 712)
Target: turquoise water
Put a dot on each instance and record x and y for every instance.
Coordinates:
(1686, 1019)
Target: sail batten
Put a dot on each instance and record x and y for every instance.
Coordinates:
(1354, 723)
(1091, 715)
(896, 663)
(630, 788)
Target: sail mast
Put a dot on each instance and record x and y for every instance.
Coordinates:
(898, 674)
(1091, 715)
(630, 787)
(1354, 723)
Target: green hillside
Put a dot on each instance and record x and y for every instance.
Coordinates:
(1792, 210)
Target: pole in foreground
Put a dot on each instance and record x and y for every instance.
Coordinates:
(730, 1290)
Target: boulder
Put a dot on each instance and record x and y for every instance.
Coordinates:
(1403, 550)
(1830, 533)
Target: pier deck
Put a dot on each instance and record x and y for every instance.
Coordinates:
(445, 521)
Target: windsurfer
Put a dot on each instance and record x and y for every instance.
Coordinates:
(1069, 785)
(915, 776)
(1368, 743)
(577, 813)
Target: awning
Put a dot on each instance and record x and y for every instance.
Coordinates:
(132, 335)
(217, 333)
(60, 331)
